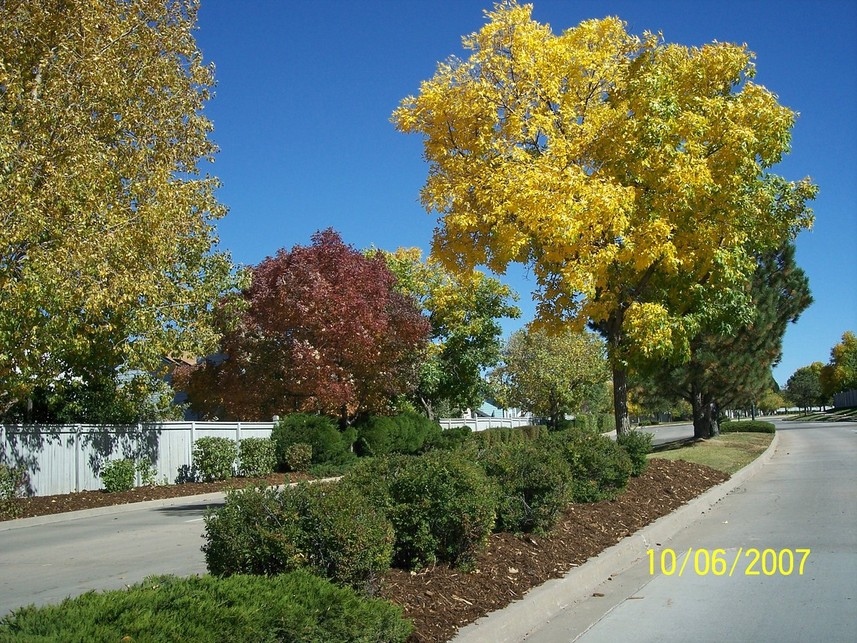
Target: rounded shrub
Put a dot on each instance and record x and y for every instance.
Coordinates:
(534, 485)
(118, 475)
(332, 530)
(637, 444)
(442, 505)
(257, 457)
(600, 468)
(407, 432)
(747, 426)
(297, 457)
(329, 444)
(214, 458)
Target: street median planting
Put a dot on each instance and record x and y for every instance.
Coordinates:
(292, 607)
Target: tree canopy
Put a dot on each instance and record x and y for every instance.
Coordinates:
(629, 173)
(464, 310)
(551, 374)
(106, 225)
(803, 388)
(840, 373)
(325, 330)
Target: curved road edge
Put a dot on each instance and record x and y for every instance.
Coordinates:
(516, 620)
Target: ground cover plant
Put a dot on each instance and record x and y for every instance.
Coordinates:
(298, 607)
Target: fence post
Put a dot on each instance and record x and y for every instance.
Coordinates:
(77, 457)
(192, 442)
(137, 458)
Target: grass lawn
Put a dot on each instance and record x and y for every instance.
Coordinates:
(728, 452)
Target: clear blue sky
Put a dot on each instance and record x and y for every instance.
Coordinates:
(306, 88)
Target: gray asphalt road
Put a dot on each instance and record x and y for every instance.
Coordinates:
(47, 561)
(804, 498)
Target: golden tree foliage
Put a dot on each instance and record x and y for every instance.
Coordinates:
(106, 226)
(599, 158)
(629, 173)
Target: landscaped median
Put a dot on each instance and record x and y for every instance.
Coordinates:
(467, 530)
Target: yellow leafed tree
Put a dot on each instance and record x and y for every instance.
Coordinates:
(106, 224)
(629, 173)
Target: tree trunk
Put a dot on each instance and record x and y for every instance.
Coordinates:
(620, 400)
(700, 421)
(714, 420)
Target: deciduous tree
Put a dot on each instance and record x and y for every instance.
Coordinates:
(630, 174)
(803, 388)
(464, 310)
(106, 225)
(840, 373)
(551, 374)
(324, 331)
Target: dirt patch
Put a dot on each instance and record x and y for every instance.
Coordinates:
(440, 600)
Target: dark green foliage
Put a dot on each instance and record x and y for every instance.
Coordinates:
(453, 438)
(12, 483)
(506, 435)
(534, 485)
(297, 457)
(118, 475)
(441, 504)
(296, 607)
(214, 458)
(405, 433)
(747, 426)
(332, 530)
(600, 468)
(637, 444)
(329, 444)
(257, 457)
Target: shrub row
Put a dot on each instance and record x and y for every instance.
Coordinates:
(329, 445)
(293, 607)
(505, 435)
(408, 433)
(12, 483)
(747, 426)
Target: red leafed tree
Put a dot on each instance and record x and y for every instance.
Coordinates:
(324, 331)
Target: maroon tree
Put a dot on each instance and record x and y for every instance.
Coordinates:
(324, 331)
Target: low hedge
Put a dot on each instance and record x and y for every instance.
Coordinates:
(534, 485)
(214, 458)
(747, 426)
(600, 468)
(330, 529)
(257, 457)
(329, 444)
(292, 607)
(441, 504)
(508, 435)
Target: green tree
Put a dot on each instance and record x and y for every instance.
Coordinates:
(549, 374)
(464, 310)
(630, 174)
(840, 373)
(106, 225)
(803, 388)
(731, 360)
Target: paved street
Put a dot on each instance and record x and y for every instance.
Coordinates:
(44, 563)
(805, 497)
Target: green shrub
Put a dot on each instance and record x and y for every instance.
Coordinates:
(332, 530)
(118, 475)
(293, 607)
(600, 468)
(257, 457)
(148, 473)
(606, 422)
(214, 458)
(12, 483)
(441, 504)
(407, 432)
(329, 444)
(747, 426)
(534, 483)
(637, 444)
(453, 438)
(297, 457)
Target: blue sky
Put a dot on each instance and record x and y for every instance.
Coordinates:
(306, 88)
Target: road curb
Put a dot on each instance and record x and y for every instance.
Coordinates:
(212, 498)
(542, 603)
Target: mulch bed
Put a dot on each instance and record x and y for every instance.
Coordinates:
(440, 600)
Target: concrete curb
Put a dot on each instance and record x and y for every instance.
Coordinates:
(202, 500)
(542, 603)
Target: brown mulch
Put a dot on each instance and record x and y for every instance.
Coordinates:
(440, 600)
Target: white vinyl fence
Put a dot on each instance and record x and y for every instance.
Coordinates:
(67, 458)
(482, 423)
